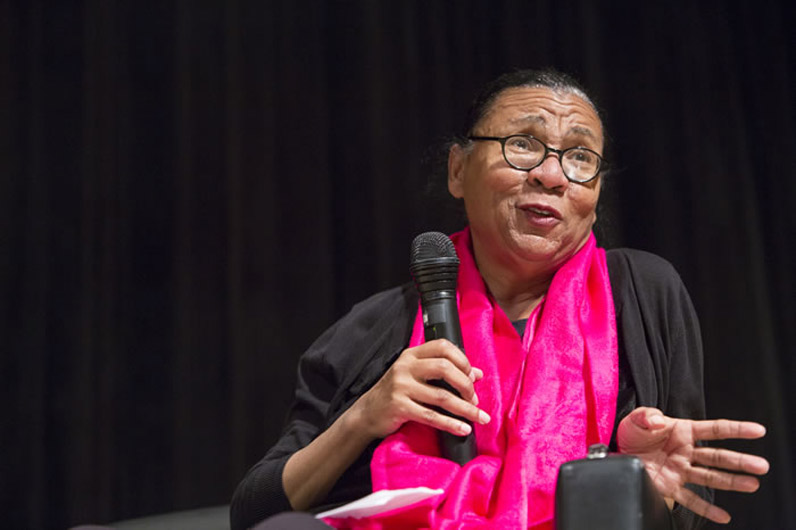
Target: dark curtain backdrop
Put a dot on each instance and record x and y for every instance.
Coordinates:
(192, 191)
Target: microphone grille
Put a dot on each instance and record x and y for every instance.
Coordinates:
(432, 245)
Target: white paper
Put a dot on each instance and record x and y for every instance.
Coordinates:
(380, 502)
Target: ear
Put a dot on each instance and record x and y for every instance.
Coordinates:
(456, 163)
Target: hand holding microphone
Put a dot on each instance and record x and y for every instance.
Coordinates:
(432, 383)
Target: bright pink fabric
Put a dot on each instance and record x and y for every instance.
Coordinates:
(550, 396)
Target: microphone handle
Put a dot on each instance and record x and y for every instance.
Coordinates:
(441, 321)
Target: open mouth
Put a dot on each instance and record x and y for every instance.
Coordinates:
(541, 211)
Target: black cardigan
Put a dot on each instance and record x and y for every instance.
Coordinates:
(660, 365)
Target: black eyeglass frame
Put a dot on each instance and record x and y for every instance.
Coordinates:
(601, 166)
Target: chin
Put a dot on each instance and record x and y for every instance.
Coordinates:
(538, 249)
(541, 249)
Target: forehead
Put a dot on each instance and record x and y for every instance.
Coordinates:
(556, 112)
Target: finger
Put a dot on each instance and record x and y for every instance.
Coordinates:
(730, 460)
(437, 420)
(439, 397)
(444, 348)
(724, 429)
(700, 506)
(439, 368)
(721, 480)
(648, 418)
(476, 374)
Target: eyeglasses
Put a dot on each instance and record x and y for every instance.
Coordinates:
(524, 152)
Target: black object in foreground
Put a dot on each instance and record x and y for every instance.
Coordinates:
(608, 491)
(435, 267)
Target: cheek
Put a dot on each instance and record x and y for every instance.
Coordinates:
(584, 205)
(490, 190)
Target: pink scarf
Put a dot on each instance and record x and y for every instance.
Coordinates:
(550, 395)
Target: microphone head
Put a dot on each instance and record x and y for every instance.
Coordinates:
(434, 264)
(430, 245)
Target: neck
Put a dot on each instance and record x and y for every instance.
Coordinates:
(517, 295)
(520, 306)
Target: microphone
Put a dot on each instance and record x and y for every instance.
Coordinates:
(435, 267)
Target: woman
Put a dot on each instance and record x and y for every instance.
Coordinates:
(566, 346)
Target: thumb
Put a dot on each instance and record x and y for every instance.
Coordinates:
(648, 418)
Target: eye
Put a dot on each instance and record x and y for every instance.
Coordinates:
(523, 144)
(582, 156)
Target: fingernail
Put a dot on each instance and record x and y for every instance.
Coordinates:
(465, 428)
(483, 417)
(475, 399)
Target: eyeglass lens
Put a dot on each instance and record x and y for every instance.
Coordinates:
(526, 152)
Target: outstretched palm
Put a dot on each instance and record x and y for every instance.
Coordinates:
(671, 454)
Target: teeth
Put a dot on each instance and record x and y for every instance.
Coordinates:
(540, 212)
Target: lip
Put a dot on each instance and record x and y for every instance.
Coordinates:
(541, 211)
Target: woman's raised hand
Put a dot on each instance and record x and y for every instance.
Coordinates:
(668, 447)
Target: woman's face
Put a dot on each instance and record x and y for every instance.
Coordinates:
(527, 218)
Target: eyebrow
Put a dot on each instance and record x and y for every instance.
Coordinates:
(539, 120)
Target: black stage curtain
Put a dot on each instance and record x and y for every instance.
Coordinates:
(192, 191)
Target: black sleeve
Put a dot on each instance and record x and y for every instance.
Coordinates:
(659, 343)
(339, 366)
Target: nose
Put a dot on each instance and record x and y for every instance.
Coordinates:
(549, 173)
